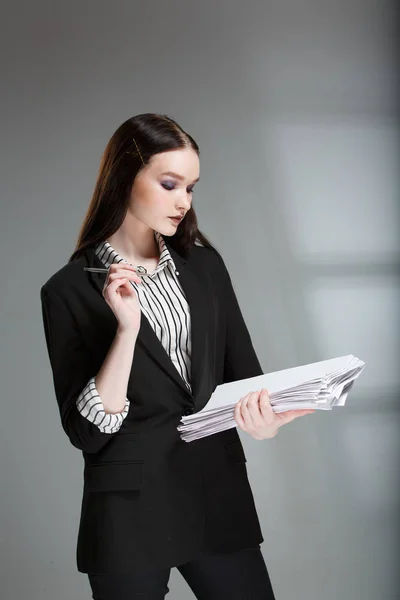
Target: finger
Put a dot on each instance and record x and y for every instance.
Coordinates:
(265, 405)
(290, 415)
(116, 283)
(129, 274)
(253, 404)
(238, 416)
(247, 417)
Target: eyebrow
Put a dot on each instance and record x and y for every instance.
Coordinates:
(177, 175)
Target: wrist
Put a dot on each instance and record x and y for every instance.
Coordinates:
(127, 332)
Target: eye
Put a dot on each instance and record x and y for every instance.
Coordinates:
(170, 187)
(167, 186)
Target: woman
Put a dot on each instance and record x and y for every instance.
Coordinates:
(130, 354)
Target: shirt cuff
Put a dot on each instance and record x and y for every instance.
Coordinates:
(91, 407)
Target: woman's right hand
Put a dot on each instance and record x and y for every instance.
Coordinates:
(121, 296)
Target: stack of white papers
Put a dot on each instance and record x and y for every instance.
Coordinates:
(321, 385)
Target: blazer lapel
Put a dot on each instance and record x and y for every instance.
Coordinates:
(198, 304)
(147, 337)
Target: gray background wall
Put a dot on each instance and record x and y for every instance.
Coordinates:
(293, 105)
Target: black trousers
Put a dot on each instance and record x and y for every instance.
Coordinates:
(240, 575)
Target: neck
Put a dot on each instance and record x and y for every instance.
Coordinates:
(135, 246)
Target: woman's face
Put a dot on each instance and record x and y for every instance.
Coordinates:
(164, 189)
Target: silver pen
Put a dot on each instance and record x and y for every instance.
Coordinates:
(138, 270)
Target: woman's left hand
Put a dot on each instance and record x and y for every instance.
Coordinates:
(254, 414)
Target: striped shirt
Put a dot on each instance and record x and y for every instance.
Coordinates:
(163, 303)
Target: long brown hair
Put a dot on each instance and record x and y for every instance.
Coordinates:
(119, 166)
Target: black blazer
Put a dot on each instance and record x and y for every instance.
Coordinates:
(151, 500)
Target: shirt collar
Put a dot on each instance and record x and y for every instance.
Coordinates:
(108, 255)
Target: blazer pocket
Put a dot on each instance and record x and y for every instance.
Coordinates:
(114, 476)
(236, 452)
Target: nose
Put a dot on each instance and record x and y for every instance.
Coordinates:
(185, 202)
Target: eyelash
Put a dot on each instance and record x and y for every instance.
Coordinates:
(172, 188)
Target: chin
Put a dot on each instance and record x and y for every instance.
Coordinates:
(167, 228)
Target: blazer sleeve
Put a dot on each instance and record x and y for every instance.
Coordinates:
(72, 369)
(240, 360)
